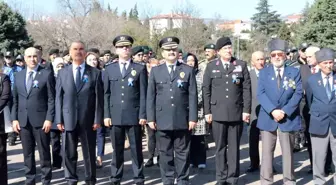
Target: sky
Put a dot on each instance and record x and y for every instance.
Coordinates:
(227, 9)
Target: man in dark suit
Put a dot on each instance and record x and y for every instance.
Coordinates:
(125, 86)
(172, 111)
(33, 112)
(5, 94)
(279, 94)
(321, 96)
(306, 71)
(79, 112)
(258, 62)
(227, 103)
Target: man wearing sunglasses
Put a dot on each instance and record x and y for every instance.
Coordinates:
(172, 112)
(279, 94)
(125, 86)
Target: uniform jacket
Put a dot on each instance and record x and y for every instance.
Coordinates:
(172, 103)
(227, 94)
(125, 98)
(83, 106)
(287, 98)
(38, 104)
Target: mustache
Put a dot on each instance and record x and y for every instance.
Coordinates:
(171, 54)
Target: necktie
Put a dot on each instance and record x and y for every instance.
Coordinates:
(314, 70)
(29, 81)
(78, 77)
(123, 71)
(171, 71)
(278, 78)
(327, 86)
(226, 67)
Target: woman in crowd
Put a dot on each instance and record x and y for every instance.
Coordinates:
(198, 145)
(92, 59)
(5, 92)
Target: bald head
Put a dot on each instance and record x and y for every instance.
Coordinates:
(32, 57)
(258, 60)
(310, 53)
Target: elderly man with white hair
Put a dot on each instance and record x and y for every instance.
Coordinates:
(306, 71)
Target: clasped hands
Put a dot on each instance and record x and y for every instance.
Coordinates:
(278, 114)
(246, 118)
(46, 126)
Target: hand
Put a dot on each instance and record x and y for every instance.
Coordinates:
(192, 125)
(152, 125)
(107, 122)
(60, 127)
(142, 122)
(95, 126)
(246, 117)
(208, 118)
(278, 115)
(16, 126)
(47, 126)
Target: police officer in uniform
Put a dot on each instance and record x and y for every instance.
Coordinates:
(210, 54)
(125, 86)
(172, 111)
(227, 103)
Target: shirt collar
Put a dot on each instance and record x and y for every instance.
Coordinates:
(324, 76)
(168, 64)
(282, 68)
(74, 66)
(126, 62)
(34, 70)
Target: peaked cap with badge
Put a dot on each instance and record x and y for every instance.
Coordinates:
(169, 43)
(123, 40)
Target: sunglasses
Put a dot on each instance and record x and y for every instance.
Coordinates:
(277, 54)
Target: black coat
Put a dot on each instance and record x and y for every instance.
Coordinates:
(125, 98)
(85, 106)
(224, 99)
(38, 104)
(4, 99)
(169, 105)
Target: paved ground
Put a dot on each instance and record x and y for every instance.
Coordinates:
(206, 176)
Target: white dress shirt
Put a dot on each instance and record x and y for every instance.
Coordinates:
(316, 69)
(168, 64)
(224, 63)
(122, 66)
(74, 70)
(281, 71)
(330, 80)
(34, 73)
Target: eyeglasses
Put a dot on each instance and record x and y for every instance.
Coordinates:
(277, 54)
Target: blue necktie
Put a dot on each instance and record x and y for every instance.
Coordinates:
(78, 78)
(123, 71)
(327, 86)
(171, 71)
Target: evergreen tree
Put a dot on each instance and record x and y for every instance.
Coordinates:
(130, 15)
(135, 13)
(13, 33)
(124, 14)
(305, 12)
(115, 11)
(284, 32)
(320, 27)
(265, 20)
(109, 7)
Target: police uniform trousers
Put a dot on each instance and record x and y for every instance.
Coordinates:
(56, 148)
(118, 134)
(30, 137)
(152, 144)
(70, 155)
(227, 139)
(178, 142)
(3, 159)
(320, 145)
(269, 140)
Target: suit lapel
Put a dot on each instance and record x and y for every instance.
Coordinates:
(86, 74)
(286, 74)
(22, 79)
(220, 66)
(232, 66)
(71, 78)
(322, 89)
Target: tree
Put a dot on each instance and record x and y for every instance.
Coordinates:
(305, 12)
(115, 11)
(124, 15)
(130, 14)
(13, 33)
(265, 20)
(285, 33)
(109, 7)
(320, 26)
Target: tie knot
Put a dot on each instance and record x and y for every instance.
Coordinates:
(327, 77)
(278, 70)
(171, 66)
(31, 72)
(79, 68)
